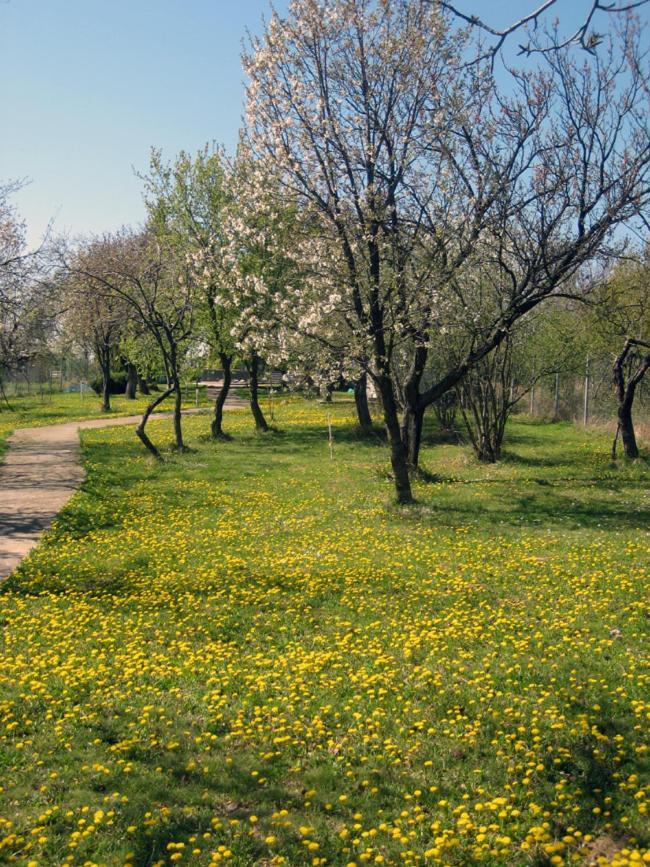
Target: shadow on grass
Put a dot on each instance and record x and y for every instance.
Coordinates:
(594, 765)
(542, 506)
(225, 794)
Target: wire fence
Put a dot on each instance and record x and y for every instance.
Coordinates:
(43, 378)
(586, 397)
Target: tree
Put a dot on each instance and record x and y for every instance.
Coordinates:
(26, 308)
(412, 164)
(96, 319)
(570, 191)
(146, 274)
(185, 201)
(491, 390)
(140, 355)
(254, 268)
(486, 402)
(625, 391)
(337, 97)
(617, 323)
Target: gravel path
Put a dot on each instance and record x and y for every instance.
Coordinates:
(40, 472)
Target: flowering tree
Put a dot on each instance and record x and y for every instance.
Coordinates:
(413, 164)
(337, 100)
(251, 269)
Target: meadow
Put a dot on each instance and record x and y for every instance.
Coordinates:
(37, 409)
(248, 656)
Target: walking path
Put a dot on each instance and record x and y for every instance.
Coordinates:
(40, 472)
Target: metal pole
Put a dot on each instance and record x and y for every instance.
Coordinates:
(585, 414)
(532, 394)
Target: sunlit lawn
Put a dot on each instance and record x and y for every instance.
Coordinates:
(247, 655)
(39, 409)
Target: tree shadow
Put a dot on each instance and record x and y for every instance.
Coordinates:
(226, 794)
(546, 507)
(592, 763)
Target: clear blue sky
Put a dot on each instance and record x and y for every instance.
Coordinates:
(88, 86)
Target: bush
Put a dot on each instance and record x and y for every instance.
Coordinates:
(117, 383)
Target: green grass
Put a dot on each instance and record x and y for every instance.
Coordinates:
(248, 655)
(38, 410)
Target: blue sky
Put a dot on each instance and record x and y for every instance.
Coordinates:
(90, 85)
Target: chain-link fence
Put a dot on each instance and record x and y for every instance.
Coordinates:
(49, 376)
(587, 397)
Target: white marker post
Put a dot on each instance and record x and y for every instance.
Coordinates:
(585, 413)
(329, 431)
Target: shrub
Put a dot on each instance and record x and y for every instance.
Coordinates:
(117, 383)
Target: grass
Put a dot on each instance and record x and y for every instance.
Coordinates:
(247, 655)
(37, 410)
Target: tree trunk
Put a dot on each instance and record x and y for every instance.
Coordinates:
(3, 393)
(217, 422)
(131, 381)
(361, 403)
(383, 377)
(104, 358)
(486, 452)
(626, 428)
(140, 430)
(411, 433)
(143, 385)
(106, 392)
(397, 452)
(413, 416)
(625, 395)
(256, 409)
(178, 402)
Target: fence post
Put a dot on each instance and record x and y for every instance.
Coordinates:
(556, 411)
(532, 393)
(585, 412)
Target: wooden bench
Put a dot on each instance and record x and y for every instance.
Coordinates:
(240, 377)
(215, 376)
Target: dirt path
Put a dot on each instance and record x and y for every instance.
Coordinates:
(40, 472)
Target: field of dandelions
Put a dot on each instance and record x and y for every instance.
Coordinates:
(247, 656)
